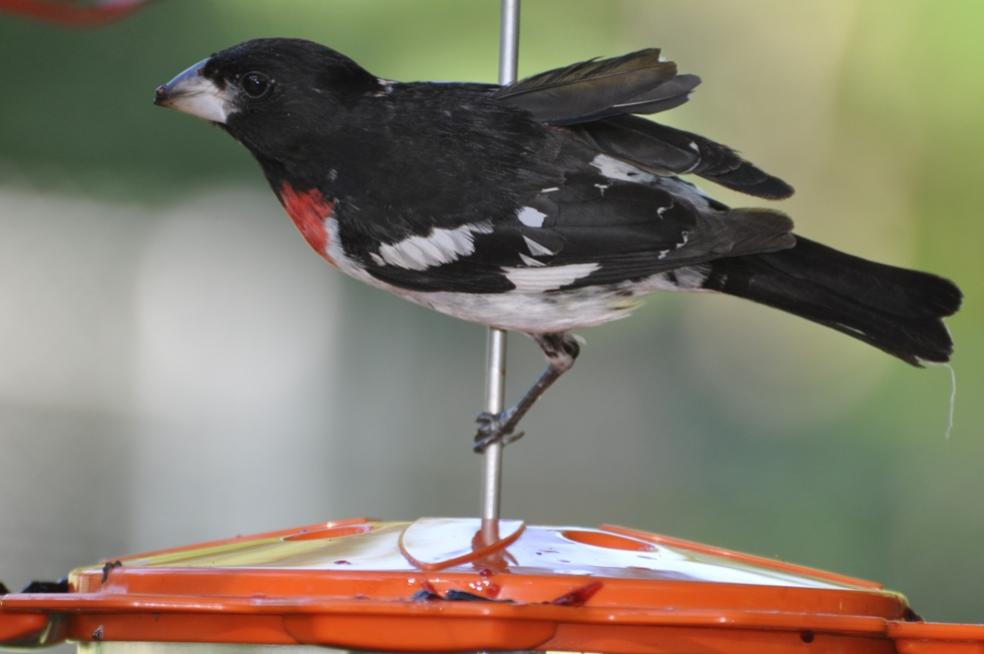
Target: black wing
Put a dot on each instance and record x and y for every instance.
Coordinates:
(639, 82)
(592, 230)
(596, 100)
(664, 150)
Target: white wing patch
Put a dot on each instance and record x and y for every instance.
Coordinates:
(439, 247)
(688, 278)
(613, 168)
(548, 278)
(531, 217)
(530, 261)
(536, 249)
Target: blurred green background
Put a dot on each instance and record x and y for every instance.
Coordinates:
(176, 365)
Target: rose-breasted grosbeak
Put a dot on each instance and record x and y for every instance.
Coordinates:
(539, 207)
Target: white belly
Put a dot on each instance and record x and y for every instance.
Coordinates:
(524, 312)
(528, 311)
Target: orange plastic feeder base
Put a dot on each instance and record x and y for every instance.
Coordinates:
(452, 585)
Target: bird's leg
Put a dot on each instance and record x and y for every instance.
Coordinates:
(561, 350)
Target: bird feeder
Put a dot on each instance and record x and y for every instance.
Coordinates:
(455, 585)
(73, 14)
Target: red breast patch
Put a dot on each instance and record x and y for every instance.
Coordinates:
(309, 210)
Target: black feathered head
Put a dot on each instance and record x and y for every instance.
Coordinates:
(257, 89)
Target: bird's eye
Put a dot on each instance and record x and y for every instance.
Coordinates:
(256, 85)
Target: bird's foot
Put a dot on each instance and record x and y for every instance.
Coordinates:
(495, 428)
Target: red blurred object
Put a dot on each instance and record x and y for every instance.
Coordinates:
(73, 13)
(454, 585)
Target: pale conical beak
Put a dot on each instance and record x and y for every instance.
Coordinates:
(194, 94)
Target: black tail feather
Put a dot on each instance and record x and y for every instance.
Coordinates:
(897, 310)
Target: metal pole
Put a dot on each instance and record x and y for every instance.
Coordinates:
(495, 376)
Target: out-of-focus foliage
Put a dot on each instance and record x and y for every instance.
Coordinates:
(175, 365)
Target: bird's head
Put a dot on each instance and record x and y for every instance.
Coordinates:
(259, 89)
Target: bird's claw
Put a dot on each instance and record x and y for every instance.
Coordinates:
(492, 428)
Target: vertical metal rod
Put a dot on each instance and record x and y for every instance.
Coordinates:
(495, 376)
